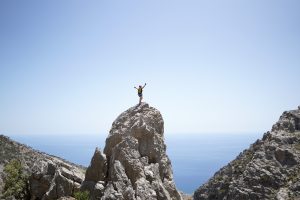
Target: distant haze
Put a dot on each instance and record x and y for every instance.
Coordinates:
(69, 67)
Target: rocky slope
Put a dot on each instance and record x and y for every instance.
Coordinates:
(50, 177)
(269, 169)
(134, 165)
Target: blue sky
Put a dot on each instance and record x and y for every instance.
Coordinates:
(69, 67)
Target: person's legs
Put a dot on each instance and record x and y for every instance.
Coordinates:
(141, 97)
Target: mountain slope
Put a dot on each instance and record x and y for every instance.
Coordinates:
(269, 169)
(50, 177)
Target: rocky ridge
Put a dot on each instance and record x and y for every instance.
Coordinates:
(134, 164)
(269, 169)
(50, 177)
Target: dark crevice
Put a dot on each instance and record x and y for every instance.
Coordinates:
(114, 186)
(56, 190)
(297, 123)
(107, 171)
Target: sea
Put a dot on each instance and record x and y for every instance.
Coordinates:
(194, 157)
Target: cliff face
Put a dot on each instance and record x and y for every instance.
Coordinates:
(269, 169)
(134, 165)
(50, 177)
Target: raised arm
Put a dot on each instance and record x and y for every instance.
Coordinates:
(144, 85)
(135, 87)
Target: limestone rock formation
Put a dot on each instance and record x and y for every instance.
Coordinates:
(269, 169)
(98, 162)
(134, 165)
(50, 177)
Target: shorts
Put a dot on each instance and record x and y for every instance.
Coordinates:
(140, 94)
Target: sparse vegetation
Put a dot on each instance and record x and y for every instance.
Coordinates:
(82, 195)
(222, 192)
(297, 146)
(15, 181)
(241, 163)
(83, 170)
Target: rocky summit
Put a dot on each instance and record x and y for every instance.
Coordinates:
(269, 169)
(134, 164)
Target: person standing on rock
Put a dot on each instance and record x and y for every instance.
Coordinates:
(140, 92)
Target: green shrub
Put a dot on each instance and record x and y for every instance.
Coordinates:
(82, 195)
(15, 181)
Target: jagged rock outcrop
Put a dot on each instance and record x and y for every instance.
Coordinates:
(50, 177)
(134, 165)
(269, 169)
(98, 167)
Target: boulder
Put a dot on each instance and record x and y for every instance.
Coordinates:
(52, 180)
(285, 157)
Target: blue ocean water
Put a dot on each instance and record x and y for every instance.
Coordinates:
(195, 157)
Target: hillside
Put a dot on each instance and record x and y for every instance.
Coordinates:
(269, 169)
(50, 177)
